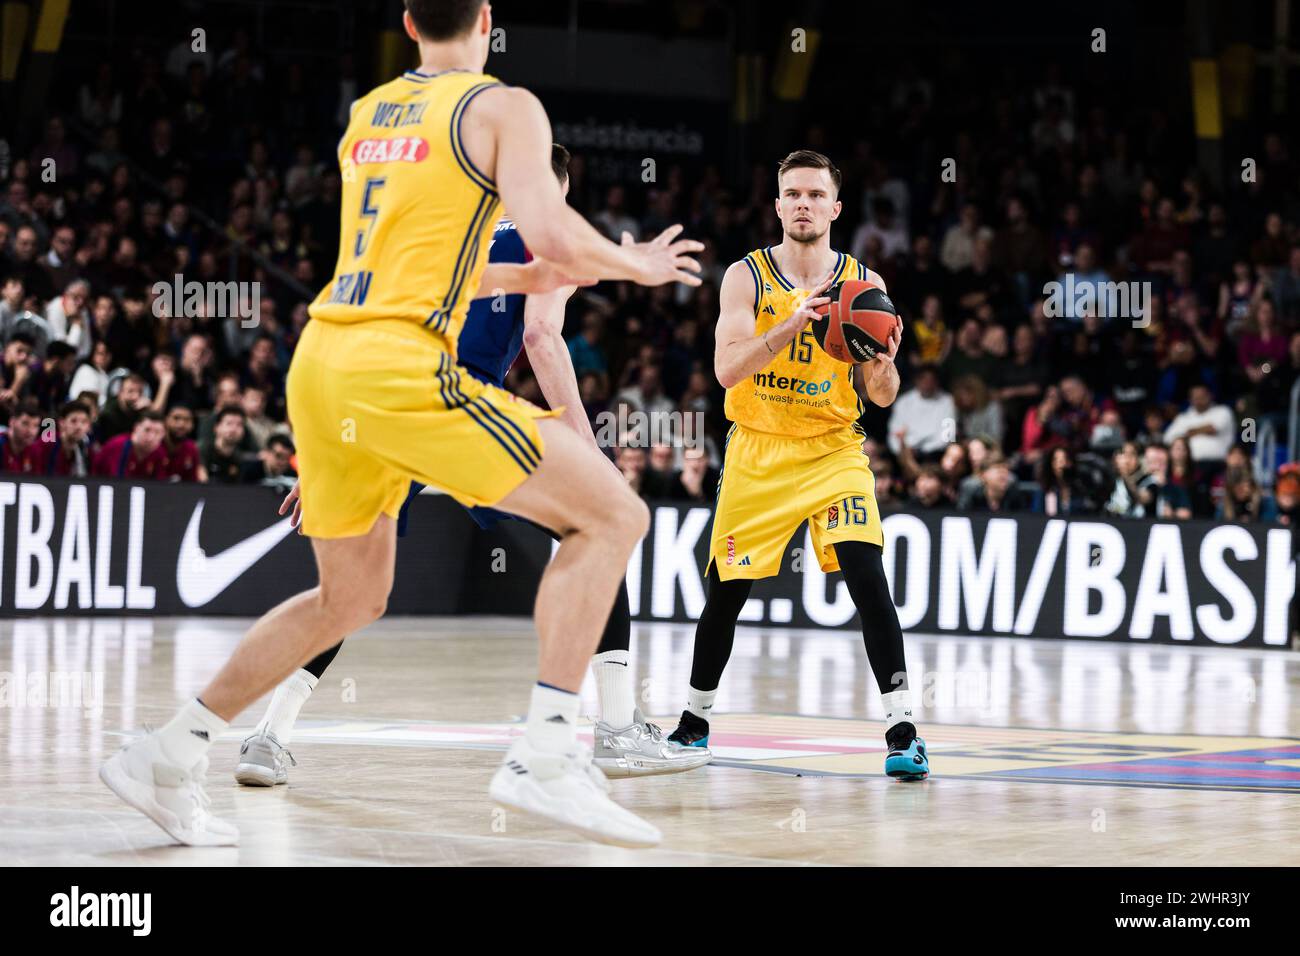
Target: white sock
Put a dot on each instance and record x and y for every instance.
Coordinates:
(700, 702)
(186, 739)
(614, 687)
(553, 719)
(898, 708)
(286, 704)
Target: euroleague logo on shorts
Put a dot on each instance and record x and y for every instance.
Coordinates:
(832, 516)
(399, 149)
(731, 549)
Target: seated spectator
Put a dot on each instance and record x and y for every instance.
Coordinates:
(137, 454)
(15, 373)
(647, 394)
(1043, 428)
(70, 452)
(886, 493)
(118, 416)
(1243, 502)
(1133, 494)
(1065, 492)
(54, 375)
(260, 425)
(928, 339)
(697, 480)
(631, 461)
(222, 456)
(183, 460)
(1172, 501)
(1286, 493)
(977, 415)
(92, 376)
(924, 417)
(1108, 434)
(996, 492)
(69, 319)
(21, 451)
(928, 489)
(1185, 474)
(11, 301)
(1211, 429)
(273, 465)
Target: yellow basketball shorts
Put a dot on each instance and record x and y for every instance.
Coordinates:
(377, 405)
(770, 485)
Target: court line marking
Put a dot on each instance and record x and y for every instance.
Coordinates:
(436, 834)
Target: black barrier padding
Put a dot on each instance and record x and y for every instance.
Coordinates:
(119, 547)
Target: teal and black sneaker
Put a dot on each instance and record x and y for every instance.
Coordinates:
(691, 731)
(907, 758)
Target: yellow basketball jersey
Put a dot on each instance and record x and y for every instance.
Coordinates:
(415, 209)
(802, 392)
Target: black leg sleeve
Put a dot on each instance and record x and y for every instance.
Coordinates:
(618, 629)
(717, 629)
(321, 661)
(864, 572)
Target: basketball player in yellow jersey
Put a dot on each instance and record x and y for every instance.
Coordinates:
(377, 400)
(794, 452)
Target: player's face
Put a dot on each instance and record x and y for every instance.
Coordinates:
(807, 204)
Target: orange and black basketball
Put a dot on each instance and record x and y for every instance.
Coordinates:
(859, 319)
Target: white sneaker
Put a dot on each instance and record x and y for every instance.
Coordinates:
(170, 796)
(566, 789)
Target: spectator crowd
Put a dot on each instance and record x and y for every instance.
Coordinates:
(173, 162)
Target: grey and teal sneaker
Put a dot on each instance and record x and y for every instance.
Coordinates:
(907, 758)
(640, 749)
(262, 762)
(691, 731)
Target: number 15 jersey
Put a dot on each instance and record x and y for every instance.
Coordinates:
(802, 392)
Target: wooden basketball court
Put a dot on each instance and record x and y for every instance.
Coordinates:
(1043, 752)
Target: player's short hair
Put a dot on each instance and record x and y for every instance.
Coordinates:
(441, 20)
(71, 408)
(560, 162)
(148, 415)
(808, 159)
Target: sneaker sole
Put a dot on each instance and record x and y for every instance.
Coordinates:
(618, 767)
(596, 835)
(254, 775)
(139, 796)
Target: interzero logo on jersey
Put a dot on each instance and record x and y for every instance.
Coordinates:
(786, 383)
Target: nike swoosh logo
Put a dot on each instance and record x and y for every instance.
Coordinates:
(199, 578)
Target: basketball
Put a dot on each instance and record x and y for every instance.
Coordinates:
(859, 319)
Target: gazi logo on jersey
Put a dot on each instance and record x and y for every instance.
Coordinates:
(788, 383)
(399, 149)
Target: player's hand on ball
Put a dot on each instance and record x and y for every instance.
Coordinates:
(814, 308)
(292, 498)
(665, 258)
(895, 343)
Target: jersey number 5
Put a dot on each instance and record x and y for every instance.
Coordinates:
(369, 212)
